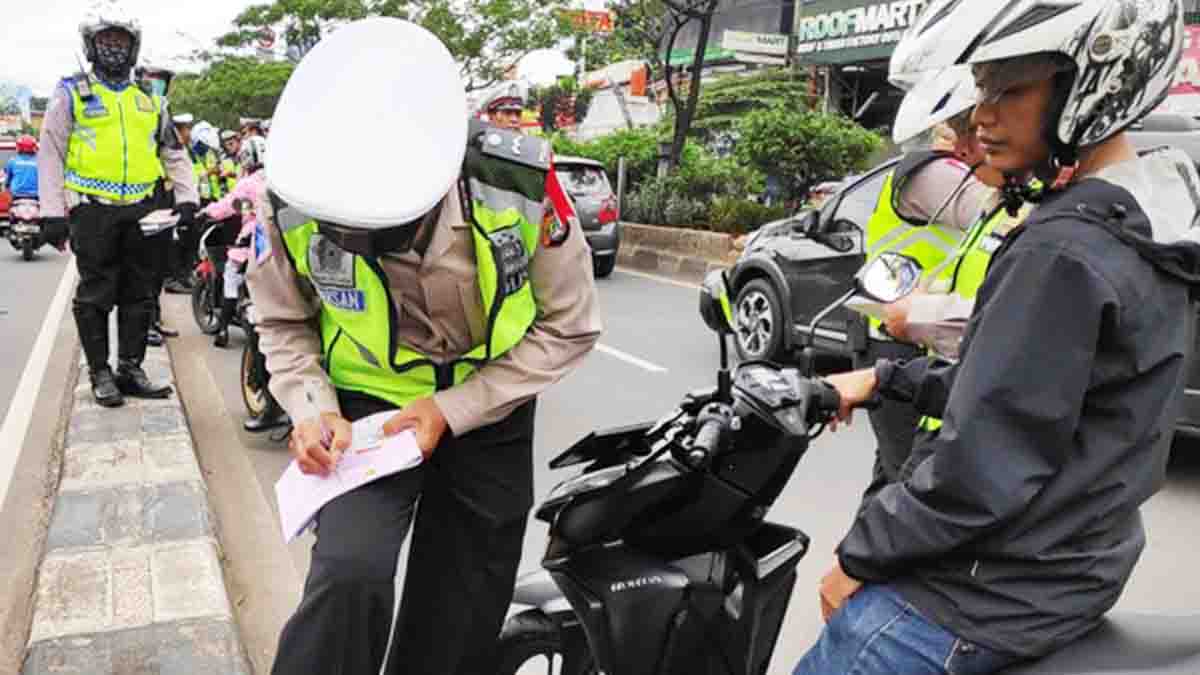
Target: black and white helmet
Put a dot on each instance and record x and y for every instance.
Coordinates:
(1124, 53)
(97, 22)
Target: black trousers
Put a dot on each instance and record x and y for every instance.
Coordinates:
(894, 422)
(117, 267)
(474, 495)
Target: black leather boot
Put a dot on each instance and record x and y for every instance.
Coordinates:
(272, 418)
(132, 381)
(104, 388)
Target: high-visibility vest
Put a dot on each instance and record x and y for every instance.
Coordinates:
(505, 204)
(113, 148)
(930, 244)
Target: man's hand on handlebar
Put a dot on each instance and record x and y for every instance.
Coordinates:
(857, 388)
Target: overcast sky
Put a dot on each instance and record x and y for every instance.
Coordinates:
(40, 39)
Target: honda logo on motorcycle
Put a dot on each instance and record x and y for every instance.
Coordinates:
(630, 584)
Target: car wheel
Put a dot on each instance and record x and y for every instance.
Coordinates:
(603, 266)
(758, 322)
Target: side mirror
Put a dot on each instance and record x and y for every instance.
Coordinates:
(889, 277)
(806, 223)
(714, 304)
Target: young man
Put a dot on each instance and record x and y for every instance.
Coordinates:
(20, 173)
(1019, 524)
(426, 291)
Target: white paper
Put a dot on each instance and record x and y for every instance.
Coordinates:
(865, 306)
(371, 456)
(157, 221)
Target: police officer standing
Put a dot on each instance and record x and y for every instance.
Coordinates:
(418, 279)
(104, 145)
(505, 106)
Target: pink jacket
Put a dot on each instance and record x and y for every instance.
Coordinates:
(247, 188)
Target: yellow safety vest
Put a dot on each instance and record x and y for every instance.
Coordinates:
(113, 148)
(357, 322)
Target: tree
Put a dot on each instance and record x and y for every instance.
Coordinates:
(657, 24)
(802, 147)
(561, 103)
(230, 88)
(487, 37)
(728, 99)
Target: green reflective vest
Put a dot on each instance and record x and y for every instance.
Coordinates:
(113, 148)
(211, 187)
(357, 320)
(929, 244)
(969, 269)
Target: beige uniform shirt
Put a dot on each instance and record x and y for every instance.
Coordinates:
(440, 312)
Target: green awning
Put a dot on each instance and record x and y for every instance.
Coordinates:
(714, 53)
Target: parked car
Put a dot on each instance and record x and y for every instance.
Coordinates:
(792, 269)
(8, 148)
(596, 205)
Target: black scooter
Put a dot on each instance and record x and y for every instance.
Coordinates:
(660, 560)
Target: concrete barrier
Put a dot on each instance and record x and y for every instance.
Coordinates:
(680, 253)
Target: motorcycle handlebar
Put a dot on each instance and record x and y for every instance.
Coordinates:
(708, 438)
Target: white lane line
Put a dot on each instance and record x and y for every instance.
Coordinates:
(20, 411)
(630, 359)
(655, 277)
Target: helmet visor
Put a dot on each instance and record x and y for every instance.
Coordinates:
(993, 79)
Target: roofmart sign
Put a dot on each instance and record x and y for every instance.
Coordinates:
(835, 32)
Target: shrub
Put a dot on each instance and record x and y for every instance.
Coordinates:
(739, 216)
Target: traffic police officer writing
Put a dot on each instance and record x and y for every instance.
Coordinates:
(418, 282)
(104, 145)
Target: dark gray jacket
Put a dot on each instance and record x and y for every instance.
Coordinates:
(1017, 526)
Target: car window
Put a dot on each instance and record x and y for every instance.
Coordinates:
(859, 202)
(583, 180)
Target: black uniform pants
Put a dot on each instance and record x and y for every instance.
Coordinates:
(894, 422)
(117, 267)
(474, 495)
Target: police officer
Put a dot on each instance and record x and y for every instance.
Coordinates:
(505, 105)
(417, 279)
(104, 145)
(231, 143)
(924, 185)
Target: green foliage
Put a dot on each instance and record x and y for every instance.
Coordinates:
(726, 100)
(739, 216)
(562, 99)
(638, 146)
(803, 147)
(487, 37)
(230, 88)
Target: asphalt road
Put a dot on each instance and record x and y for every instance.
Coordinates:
(26, 289)
(654, 349)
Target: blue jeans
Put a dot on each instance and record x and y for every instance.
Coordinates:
(878, 633)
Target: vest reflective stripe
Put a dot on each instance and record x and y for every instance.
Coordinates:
(358, 317)
(113, 149)
(930, 245)
(970, 269)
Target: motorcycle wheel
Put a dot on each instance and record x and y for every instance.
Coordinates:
(531, 642)
(204, 311)
(27, 249)
(254, 395)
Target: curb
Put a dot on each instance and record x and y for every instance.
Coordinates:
(690, 269)
(131, 578)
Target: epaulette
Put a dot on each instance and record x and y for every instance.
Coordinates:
(80, 82)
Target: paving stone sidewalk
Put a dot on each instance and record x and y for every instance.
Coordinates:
(131, 578)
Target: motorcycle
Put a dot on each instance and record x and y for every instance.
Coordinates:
(659, 558)
(25, 227)
(206, 309)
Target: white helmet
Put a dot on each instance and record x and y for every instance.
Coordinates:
(98, 21)
(935, 99)
(409, 105)
(253, 154)
(206, 134)
(1124, 54)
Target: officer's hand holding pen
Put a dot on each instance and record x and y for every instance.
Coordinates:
(318, 442)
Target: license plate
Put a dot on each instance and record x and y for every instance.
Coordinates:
(26, 229)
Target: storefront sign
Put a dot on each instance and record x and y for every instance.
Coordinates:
(866, 25)
(1184, 95)
(755, 43)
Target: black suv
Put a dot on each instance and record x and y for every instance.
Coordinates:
(792, 269)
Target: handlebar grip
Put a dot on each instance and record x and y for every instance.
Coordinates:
(873, 403)
(829, 401)
(708, 438)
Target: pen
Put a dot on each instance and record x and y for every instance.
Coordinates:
(326, 432)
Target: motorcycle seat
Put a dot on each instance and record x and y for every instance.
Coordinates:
(1127, 644)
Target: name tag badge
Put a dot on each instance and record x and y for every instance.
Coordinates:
(990, 243)
(348, 299)
(330, 265)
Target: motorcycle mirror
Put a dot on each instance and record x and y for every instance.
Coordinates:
(889, 277)
(714, 304)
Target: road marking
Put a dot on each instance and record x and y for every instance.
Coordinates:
(20, 411)
(655, 277)
(630, 359)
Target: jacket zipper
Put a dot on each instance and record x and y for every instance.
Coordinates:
(124, 148)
